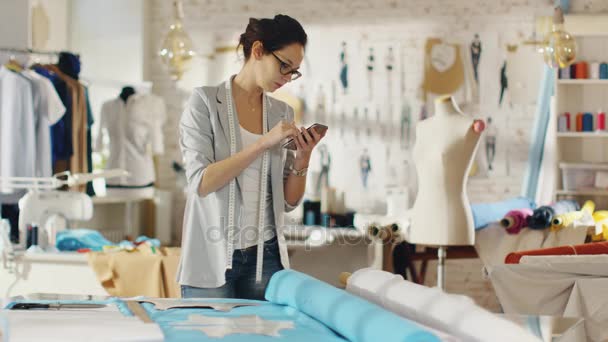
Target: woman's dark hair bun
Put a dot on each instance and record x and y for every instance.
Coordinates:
(275, 33)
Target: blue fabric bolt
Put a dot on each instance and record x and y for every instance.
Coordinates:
(350, 316)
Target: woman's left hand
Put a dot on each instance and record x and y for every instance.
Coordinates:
(306, 142)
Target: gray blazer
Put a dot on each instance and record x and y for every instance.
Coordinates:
(204, 139)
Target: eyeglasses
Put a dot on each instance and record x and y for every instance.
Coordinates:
(285, 69)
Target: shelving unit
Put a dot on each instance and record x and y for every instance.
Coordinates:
(583, 95)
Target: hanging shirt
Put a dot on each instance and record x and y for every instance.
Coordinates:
(17, 127)
(246, 232)
(61, 131)
(135, 133)
(48, 109)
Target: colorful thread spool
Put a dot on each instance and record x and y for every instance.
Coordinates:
(594, 70)
(581, 70)
(567, 114)
(587, 122)
(601, 121)
(567, 219)
(604, 71)
(564, 73)
(562, 123)
(515, 220)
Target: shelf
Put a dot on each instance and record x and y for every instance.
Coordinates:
(590, 192)
(582, 134)
(582, 82)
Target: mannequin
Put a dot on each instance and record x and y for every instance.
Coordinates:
(443, 153)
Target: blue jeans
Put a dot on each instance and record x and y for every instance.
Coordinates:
(240, 280)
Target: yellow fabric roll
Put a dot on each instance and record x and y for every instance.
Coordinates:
(567, 219)
(601, 226)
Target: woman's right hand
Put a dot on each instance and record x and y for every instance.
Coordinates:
(280, 131)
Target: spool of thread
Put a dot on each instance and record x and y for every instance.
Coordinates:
(541, 217)
(562, 123)
(567, 219)
(567, 114)
(573, 70)
(579, 122)
(594, 70)
(601, 121)
(581, 70)
(515, 220)
(604, 71)
(588, 122)
(564, 73)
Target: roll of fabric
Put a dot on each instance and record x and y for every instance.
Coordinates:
(585, 249)
(541, 217)
(562, 123)
(601, 121)
(564, 73)
(515, 220)
(350, 316)
(486, 213)
(565, 220)
(456, 315)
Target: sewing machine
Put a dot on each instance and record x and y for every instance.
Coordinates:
(42, 202)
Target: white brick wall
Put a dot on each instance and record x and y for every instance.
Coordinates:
(501, 21)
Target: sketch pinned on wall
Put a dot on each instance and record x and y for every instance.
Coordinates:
(344, 69)
(490, 140)
(390, 65)
(325, 162)
(402, 78)
(370, 73)
(366, 123)
(342, 123)
(504, 83)
(380, 124)
(476, 55)
(365, 166)
(405, 124)
(320, 108)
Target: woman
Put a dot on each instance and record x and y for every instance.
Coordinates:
(240, 179)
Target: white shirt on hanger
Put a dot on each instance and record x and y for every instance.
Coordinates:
(135, 134)
(17, 127)
(48, 109)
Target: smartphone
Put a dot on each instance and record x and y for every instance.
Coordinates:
(319, 128)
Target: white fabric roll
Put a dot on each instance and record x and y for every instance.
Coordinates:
(456, 315)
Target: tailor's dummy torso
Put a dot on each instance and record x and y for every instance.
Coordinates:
(444, 151)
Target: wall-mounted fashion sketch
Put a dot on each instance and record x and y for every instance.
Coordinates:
(403, 87)
(325, 162)
(380, 124)
(344, 69)
(365, 167)
(370, 73)
(490, 139)
(320, 110)
(476, 55)
(389, 61)
(366, 123)
(405, 124)
(342, 123)
(504, 82)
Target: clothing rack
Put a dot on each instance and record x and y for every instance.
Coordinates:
(29, 51)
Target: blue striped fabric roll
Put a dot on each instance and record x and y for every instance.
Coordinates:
(350, 316)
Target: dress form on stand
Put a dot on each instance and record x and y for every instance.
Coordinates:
(443, 154)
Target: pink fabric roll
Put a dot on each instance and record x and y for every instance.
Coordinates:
(515, 220)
